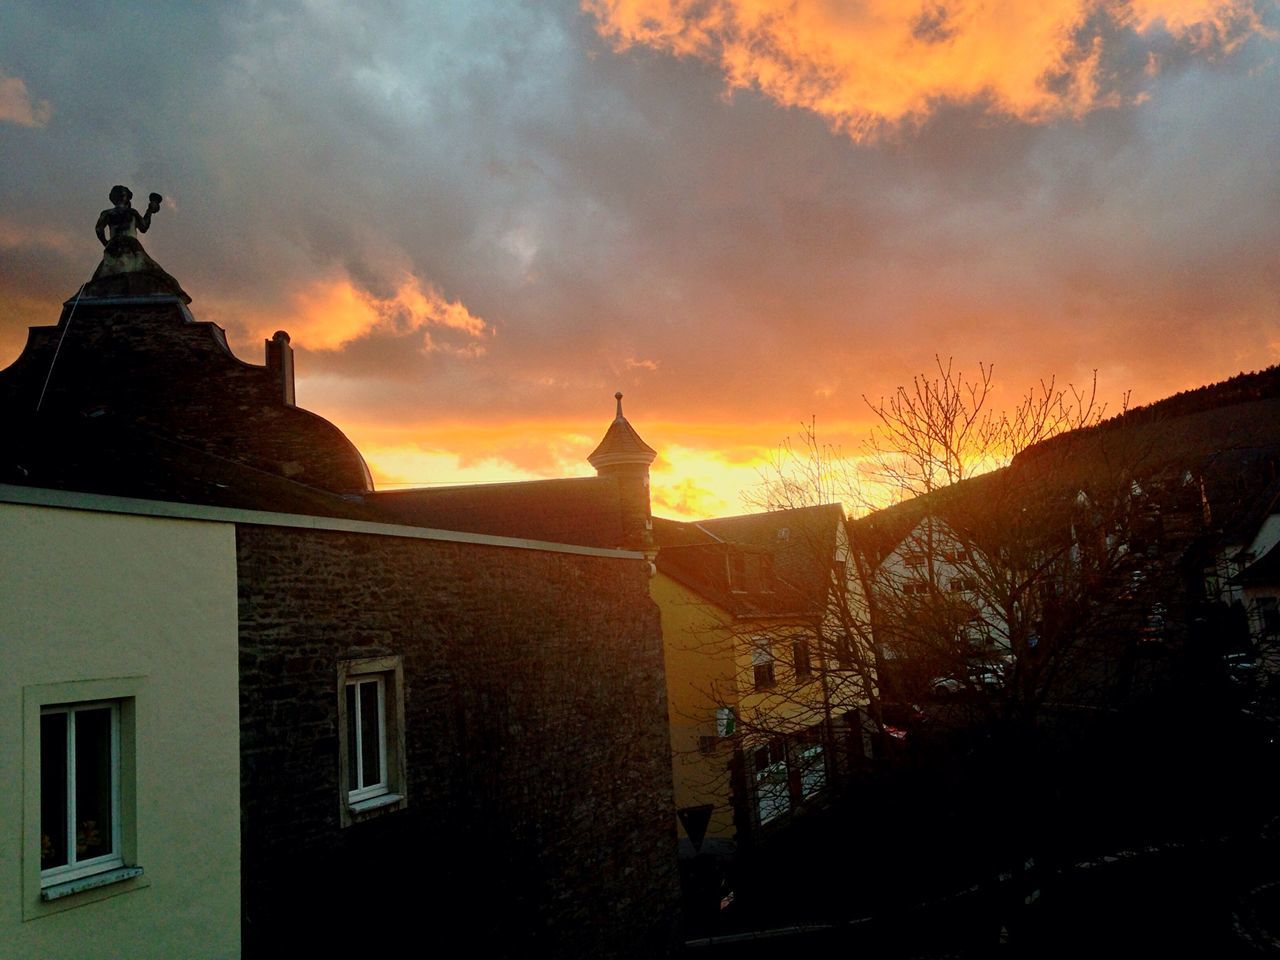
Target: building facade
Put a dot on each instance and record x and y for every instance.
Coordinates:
(121, 732)
(434, 713)
(769, 688)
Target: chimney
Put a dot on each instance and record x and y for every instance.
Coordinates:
(280, 363)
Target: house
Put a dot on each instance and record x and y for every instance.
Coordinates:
(934, 617)
(356, 714)
(1242, 583)
(768, 688)
(121, 733)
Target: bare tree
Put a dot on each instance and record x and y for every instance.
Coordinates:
(974, 594)
(979, 574)
(773, 602)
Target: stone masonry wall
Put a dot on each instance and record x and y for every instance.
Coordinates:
(539, 782)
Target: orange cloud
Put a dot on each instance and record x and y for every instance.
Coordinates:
(330, 313)
(1206, 23)
(16, 105)
(875, 65)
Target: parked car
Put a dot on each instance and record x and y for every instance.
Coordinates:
(987, 675)
(1241, 667)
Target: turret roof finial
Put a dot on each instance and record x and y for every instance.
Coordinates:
(621, 445)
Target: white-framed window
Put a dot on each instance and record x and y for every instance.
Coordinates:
(726, 721)
(80, 833)
(366, 737)
(79, 791)
(371, 755)
(773, 797)
(813, 768)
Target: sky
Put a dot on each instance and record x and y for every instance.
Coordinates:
(479, 220)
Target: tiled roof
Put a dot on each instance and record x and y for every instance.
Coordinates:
(137, 399)
(148, 362)
(764, 564)
(103, 455)
(581, 510)
(1263, 572)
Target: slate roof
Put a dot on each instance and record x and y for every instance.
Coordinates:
(135, 398)
(1263, 572)
(104, 455)
(756, 565)
(582, 510)
(148, 362)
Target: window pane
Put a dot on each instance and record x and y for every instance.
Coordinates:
(53, 790)
(370, 734)
(353, 757)
(93, 783)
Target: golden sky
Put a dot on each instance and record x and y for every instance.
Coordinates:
(479, 221)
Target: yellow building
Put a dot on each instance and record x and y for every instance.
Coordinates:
(769, 670)
(767, 682)
(120, 833)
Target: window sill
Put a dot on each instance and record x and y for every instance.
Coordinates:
(59, 890)
(375, 803)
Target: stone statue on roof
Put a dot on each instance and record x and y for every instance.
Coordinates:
(126, 270)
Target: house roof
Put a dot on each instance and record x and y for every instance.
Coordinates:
(146, 361)
(581, 510)
(1263, 572)
(133, 397)
(106, 455)
(765, 564)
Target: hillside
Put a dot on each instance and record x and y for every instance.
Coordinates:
(1225, 434)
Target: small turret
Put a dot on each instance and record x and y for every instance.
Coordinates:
(624, 455)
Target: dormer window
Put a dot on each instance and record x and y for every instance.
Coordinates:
(737, 572)
(767, 574)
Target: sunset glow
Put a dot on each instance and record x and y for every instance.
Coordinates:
(868, 67)
(477, 222)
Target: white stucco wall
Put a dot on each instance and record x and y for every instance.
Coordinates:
(146, 606)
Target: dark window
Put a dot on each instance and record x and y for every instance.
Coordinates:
(762, 665)
(1270, 615)
(763, 675)
(79, 790)
(800, 660)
